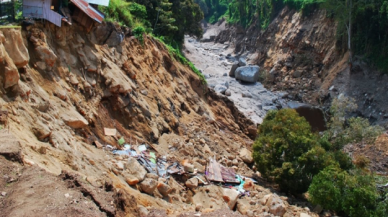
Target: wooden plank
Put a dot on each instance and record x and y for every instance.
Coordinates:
(214, 171)
(228, 175)
(110, 131)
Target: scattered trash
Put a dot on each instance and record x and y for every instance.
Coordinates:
(175, 168)
(213, 171)
(121, 141)
(110, 132)
(142, 148)
(127, 147)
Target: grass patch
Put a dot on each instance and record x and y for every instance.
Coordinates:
(10, 27)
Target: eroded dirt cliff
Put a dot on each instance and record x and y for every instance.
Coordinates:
(299, 53)
(56, 158)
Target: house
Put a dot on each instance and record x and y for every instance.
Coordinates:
(55, 11)
(41, 9)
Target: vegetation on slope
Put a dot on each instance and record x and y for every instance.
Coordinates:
(361, 30)
(288, 153)
(166, 20)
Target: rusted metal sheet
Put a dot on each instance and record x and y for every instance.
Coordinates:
(228, 175)
(213, 171)
(88, 10)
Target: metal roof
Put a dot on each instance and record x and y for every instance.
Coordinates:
(99, 2)
(88, 10)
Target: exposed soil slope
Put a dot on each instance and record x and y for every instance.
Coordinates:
(74, 84)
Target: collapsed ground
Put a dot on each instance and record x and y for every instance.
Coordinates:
(63, 86)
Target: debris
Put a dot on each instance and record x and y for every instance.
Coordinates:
(230, 196)
(3, 193)
(213, 171)
(228, 175)
(192, 183)
(67, 195)
(98, 144)
(175, 168)
(121, 141)
(110, 132)
(164, 189)
(142, 148)
(148, 185)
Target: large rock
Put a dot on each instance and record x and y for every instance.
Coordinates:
(246, 156)
(276, 205)
(148, 185)
(242, 62)
(233, 69)
(135, 169)
(220, 88)
(41, 130)
(230, 196)
(247, 73)
(75, 120)
(10, 147)
(243, 206)
(164, 189)
(15, 47)
(192, 183)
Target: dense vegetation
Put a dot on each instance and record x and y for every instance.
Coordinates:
(167, 19)
(362, 28)
(288, 153)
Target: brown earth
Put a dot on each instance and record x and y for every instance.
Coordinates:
(73, 87)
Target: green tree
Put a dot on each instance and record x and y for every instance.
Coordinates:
(351, 193)
(288, 152)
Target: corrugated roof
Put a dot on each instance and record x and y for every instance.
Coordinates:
(88, 10)
(99, 2)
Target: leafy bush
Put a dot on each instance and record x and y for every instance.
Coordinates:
(351, 193)
(138, 10)
(138, 32)
(288, 152)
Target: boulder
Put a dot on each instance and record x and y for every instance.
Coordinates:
(132, 181)
(164, 189)
(220, 88)
(135, 169)
(192, 183)
(233, 69)
(75, 121)
(242, 62)
(228, 93)
(304, 215)
(10, 146)
(246, 155)
(148, 185)
(243, 206)
(247, 73)
(276, 205)
(41, 131)
(15, 47)
(152, 176)
(230, 196)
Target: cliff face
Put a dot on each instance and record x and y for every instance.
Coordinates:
(62, 86)
(299, 54)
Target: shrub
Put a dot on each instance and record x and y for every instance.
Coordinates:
(288, 152)
(138, 32)
(352, 194)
